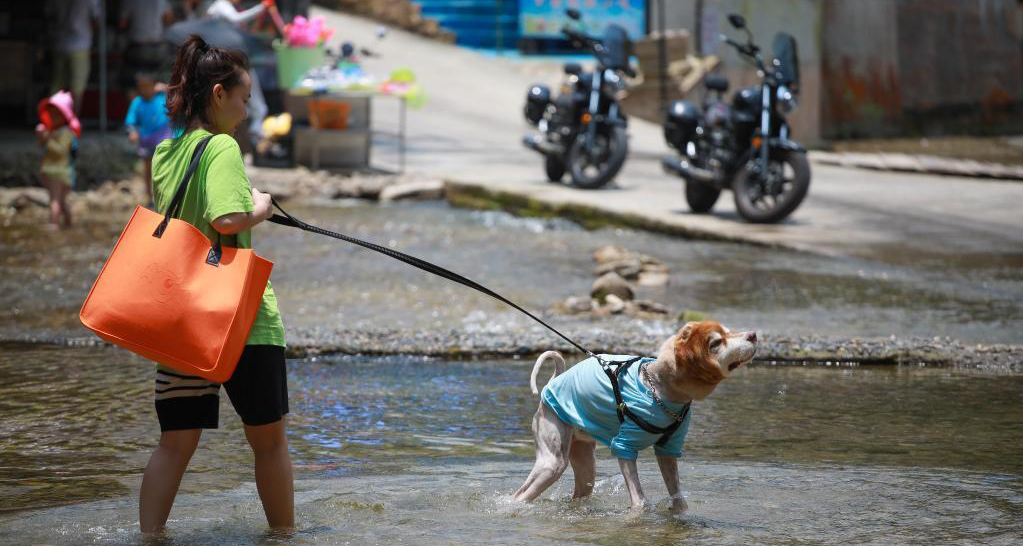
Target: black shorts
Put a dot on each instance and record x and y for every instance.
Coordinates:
(258, 391)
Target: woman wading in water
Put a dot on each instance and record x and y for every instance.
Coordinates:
(207, 96)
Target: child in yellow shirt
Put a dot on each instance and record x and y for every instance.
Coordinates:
(58, 132)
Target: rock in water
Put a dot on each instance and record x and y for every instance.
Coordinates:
(609, 254)
(614, 304)
(652, 278)
(611, 283)
(578, 305)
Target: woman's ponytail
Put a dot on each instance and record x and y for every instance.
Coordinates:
(197, 68)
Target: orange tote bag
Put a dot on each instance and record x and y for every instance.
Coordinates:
(168, 294)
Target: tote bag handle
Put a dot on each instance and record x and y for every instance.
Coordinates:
(213, 258)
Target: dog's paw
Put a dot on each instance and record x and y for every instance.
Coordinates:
(678, 505)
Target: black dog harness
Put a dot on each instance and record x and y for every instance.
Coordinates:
(624, 411)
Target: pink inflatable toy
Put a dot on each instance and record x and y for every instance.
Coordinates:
(304, 32)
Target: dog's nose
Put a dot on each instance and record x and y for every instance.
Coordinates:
(751, 337)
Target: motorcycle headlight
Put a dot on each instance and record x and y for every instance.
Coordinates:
(613, 81)
(785, 99)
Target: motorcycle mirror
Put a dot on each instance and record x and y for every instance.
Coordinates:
(736, 20)
(574, 14)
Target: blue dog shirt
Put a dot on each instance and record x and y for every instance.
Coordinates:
(583, 398)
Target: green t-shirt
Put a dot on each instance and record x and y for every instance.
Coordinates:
(218, 187)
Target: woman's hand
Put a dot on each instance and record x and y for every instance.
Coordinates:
(262, 207)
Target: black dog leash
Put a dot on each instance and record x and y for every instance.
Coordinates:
(623, 411)
(289, 220)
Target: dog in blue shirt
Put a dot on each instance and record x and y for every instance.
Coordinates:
(579, 407)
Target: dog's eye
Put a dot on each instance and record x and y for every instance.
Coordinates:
(715, 344)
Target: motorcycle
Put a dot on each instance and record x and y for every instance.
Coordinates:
(583, 130)
(744, 146)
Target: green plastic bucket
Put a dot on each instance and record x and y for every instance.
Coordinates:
(294, 62)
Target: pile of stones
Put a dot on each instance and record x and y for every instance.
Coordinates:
(612, 293)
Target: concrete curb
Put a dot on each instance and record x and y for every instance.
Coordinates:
(524, 202)
(925, 164)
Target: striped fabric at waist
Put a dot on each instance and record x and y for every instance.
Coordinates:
(172, 384)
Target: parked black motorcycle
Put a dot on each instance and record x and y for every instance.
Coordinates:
(583, 129)
(745, 146)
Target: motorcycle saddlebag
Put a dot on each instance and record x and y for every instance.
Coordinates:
(680, 124)
(537, 99)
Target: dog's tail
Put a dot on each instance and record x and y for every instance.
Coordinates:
(559, 367)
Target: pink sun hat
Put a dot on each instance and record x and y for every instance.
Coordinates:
(63, 101)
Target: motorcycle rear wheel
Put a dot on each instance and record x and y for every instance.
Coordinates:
(792, 170)
(701, 197)
(592, 171)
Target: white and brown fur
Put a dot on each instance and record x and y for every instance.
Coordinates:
(689, 365)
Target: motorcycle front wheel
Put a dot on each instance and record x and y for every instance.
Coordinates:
(592, 169)
(701, 197)
(771, 198)
(554, 167)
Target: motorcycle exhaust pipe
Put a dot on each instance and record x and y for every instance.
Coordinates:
(688, 171)
(539, 144)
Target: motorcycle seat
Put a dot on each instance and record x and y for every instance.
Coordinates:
(716, 83)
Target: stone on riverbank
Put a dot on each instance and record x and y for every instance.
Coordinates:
(575, 305)
(427, 189)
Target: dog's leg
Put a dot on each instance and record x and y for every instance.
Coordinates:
(631, 474)
(584, 464)
(553, 440)
(669, 471)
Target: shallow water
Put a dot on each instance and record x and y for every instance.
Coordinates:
(419, 451)
(325, 286)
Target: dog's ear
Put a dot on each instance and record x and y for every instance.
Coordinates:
(686, 332)
(692, 354)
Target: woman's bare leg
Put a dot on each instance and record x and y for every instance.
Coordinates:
(163, 475)
(273, 472)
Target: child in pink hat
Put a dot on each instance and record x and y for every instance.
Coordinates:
(58, 132)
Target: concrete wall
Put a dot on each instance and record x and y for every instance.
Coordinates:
(860, 69)
(960, 66)
(928, 67)
(881, 67)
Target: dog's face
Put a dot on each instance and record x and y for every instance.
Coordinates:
(706, 352)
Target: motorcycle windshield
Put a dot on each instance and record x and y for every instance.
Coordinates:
(786, 57)
(617, 47)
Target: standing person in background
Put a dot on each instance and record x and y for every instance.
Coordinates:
(147, 123)
(58, 131)
(144, 20)
(206, 98)
(191, 10)
(227, 10)
(71, 24)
